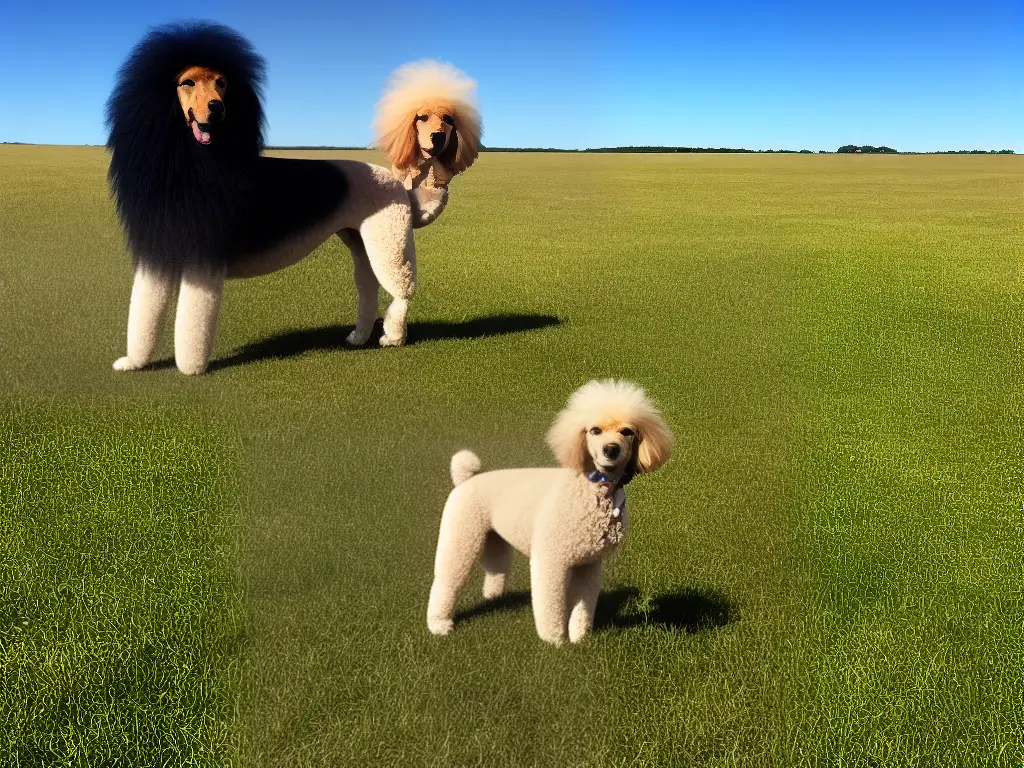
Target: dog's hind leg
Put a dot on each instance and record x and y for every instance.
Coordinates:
(151, 295)
(496, 560)
(387, 236)
(458, 546)
(366, 285)
(584, 588)
(195, 323)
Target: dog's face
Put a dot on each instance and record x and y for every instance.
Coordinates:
(610, 426)
(201, 94)
(434, 129)
(610, 445)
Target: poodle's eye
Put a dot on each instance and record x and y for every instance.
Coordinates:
(220, 82)
(420, 118)
(595, 430)
(448, 119)
(187, 83)
(626, 432)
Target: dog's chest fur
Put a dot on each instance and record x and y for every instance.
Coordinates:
(599, 529)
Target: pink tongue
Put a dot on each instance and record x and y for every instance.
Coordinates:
(201, 136)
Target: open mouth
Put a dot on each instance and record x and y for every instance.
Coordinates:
(201, 131)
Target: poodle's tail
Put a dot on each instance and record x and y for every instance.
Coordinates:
(465, 464)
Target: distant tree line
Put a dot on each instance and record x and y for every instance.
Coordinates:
(968, 152)
(846, 149)
(650, 150)
(867, 149)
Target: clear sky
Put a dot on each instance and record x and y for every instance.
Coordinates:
(790, 75)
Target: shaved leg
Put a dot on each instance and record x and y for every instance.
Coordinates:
(195, 323)
(151, 295)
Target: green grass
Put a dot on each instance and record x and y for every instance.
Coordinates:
(119, 617)
(829, 571)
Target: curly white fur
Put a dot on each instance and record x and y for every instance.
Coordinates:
(565, 523)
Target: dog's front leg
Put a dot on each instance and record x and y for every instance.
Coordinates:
(195, 323)
(549, 584)
(388, 240)
(584, 587)
(151, 294)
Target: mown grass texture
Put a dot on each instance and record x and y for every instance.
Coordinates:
(828, 571)
(119, 611)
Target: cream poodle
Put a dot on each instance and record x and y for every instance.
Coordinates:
(566, 519)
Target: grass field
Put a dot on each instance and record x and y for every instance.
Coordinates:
(233, 570)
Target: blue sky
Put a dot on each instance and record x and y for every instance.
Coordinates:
(913, 75)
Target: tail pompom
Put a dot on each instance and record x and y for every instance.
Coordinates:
(465, 464)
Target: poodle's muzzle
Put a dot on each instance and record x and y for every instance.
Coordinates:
(438, 141)
(613, 455)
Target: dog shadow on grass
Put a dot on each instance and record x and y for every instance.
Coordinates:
(331, 338)
(688, 610)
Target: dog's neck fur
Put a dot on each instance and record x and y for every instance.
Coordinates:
(619, 479)
(429, 172)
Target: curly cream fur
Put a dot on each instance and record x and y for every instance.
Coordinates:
(429, 90)
(562, 521)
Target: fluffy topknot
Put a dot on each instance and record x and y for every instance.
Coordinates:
(610, 400)
(419, 83)
(428, 86)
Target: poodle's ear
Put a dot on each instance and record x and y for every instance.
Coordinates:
(400, 143)
(567, 440)
(464, 143)
(655, 444)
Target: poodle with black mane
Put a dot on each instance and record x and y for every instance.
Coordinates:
(200, 204)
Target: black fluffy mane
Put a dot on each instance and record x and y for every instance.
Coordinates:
(185, 203)
(180, 201)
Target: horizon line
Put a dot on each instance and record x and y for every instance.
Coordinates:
(629, 149)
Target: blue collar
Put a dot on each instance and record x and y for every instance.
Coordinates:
(599, 477)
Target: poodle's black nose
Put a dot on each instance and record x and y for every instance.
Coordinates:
(437, 139)
(216, 106)
(611, 450)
